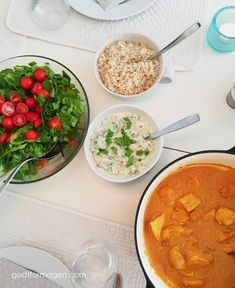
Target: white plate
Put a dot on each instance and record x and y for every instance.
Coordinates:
(92, 9)
(37, 260)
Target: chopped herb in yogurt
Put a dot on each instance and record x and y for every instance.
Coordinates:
(119, 145)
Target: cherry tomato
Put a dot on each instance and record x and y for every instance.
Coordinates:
(19, 120)
(30, 102)
(37, 123)
(2, 99)
(41, 163)
(8, 123)
(8, 108)
(55, 123)
(38, 109)
(32, 116)
(26, 82)
(15, 98)
(22, 108)
(31, 135)
(37, 86)
(72, 143)
(39, 74)
(43, 92)
(3, 137)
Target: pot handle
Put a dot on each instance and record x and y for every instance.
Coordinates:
(232, 150)
(149, 284)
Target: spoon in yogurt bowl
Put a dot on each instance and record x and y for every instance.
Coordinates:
(185, 122)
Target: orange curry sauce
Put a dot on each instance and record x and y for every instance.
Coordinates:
(189, 227)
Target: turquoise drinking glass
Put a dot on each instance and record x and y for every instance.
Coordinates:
(221, 32)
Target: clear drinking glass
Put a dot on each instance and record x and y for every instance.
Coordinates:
(221, 32)
(49, 14)
(95, 265)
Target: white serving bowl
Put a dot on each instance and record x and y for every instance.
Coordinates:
(130, 37)
(158, 143)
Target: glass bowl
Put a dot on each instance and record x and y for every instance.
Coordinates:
(69, 150)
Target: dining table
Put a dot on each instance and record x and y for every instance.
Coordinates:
(202, 90)
(74, 205)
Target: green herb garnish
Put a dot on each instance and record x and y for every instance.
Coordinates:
(103, 151)
(146, 152)
(139, 152)
(128, 122)
(128, 152)
(130, 161)
(114, 149)
(125, 141)
(108, 137)
(142, 152)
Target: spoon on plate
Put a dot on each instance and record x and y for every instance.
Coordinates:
(177, 40)
(185, 122)
(6, 178)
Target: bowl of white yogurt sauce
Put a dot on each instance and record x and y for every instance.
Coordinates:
(116, 147)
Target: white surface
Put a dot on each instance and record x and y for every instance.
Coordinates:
(160, 22)
(62, 232)
(228, 29)
(92, 9)
(158, 144)
(38, 261)
(10, 43)
(202, 90)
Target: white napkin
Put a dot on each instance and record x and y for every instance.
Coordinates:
(107, 4)
(61, 232)
(15, 276)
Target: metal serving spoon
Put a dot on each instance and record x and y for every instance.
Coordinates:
(6, 178)
(175, 126)
(177, 40)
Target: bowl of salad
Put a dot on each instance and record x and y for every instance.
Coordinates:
(42, 102)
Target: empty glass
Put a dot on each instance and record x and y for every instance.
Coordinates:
(49, 14)
(221, 33)
(97, 262)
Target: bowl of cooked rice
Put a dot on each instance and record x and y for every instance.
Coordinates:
(124, 66)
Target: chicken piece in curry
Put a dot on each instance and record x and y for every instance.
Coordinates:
(189, 227)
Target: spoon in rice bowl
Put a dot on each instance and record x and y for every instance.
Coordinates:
(185, 122)
(177, 40)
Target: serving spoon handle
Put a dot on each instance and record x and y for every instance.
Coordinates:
(176, 126)
(6, 178)
(180, 38)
